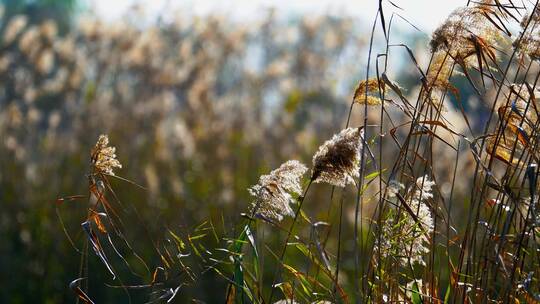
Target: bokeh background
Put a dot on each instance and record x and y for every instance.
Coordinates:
(198, 97)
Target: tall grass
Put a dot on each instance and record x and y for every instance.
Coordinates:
(420, 242)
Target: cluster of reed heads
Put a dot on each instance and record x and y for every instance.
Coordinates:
(198, 108)
(415, 199)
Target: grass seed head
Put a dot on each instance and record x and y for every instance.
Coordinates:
(272, 195)
(103, 157)
(337, 161)
(372, 86)
(466, 32)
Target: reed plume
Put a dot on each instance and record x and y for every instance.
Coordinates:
(529, 44)
(372, 86)
(103, 157)
(272, 195)
(337, 161)
(466, 32)
(412, 232)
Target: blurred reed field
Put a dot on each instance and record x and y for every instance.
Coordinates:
(316, 159)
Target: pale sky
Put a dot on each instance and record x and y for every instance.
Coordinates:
(426, 14)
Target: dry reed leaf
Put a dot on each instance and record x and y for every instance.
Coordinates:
(96, 217)
(503, 149)
(231, 295)
(287, 290)
(81, 295)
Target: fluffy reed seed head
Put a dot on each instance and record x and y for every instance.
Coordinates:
(272, 195)
(439, 73)
(337, 161)
(417, 240)
(529, 44)
(413, 236)
(103, 157)
(438, 80)
(367, 99)
(466, 30)
(393, 188)
(372, 85)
